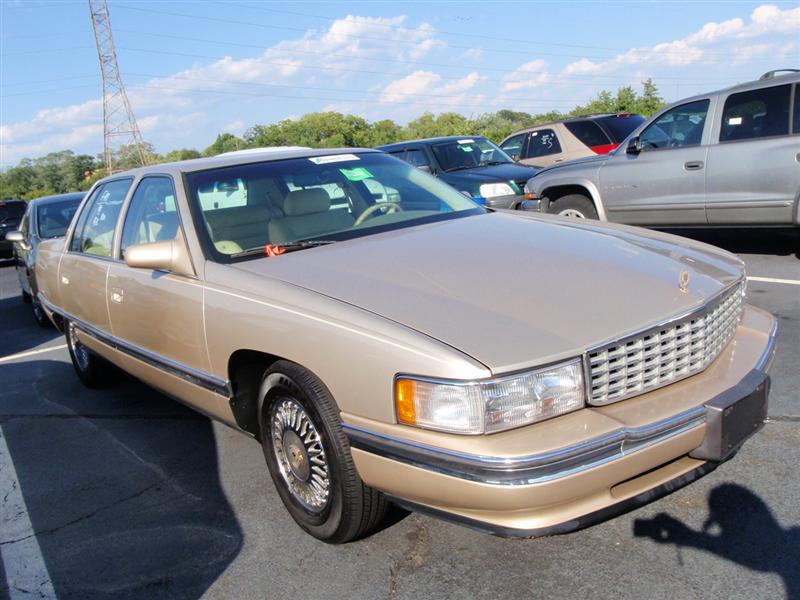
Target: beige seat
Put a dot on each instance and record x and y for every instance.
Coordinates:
(244, 225)
(308, 214)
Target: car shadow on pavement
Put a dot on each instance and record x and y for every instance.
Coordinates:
(740, 528)
(122, 486)
(780, 242)
(18, 330)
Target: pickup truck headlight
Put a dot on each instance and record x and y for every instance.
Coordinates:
(491, 405)
(491, 190)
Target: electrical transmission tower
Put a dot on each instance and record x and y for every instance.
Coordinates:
(119, 124)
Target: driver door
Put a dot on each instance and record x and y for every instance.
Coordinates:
(665, 183)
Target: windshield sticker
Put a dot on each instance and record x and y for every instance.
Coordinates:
(324, 160)
(466, 141)
(467, 148)
(356, 174)
(735, 121)
(534, 134)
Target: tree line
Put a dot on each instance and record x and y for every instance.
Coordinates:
(65, 171)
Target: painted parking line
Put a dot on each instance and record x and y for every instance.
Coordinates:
(774, 280)
(11, 357)
(25, 569)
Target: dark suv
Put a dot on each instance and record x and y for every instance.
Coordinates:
(11, 212)
(560, 141)
(473, 165)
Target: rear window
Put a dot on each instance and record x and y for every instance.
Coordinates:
(621, 126)
(54, 218)
(587, 132)
(12, 210)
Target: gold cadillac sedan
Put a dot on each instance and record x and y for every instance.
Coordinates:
(387, 340)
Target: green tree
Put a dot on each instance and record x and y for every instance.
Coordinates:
(225, 142)
(181, 154)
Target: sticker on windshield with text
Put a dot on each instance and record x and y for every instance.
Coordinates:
(356, 174)
(324, 160)
(467, 148)
(466, 141)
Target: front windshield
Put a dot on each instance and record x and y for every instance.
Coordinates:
(242, 209)
(468, 153)
(54, 217)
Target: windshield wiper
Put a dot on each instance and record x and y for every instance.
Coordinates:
(451, 169)
(495, 162)
(277, 249)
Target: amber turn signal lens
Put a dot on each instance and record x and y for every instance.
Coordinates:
(404, 397)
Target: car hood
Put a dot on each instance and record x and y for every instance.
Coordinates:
(492, 173)
(510, 290)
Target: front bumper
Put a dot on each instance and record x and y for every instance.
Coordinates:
(575, 484)
(510, 201)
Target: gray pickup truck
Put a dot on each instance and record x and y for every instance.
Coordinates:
(730, 157)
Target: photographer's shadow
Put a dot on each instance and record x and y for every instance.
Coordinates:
(741, 528)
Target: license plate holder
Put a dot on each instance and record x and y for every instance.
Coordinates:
(734, 416)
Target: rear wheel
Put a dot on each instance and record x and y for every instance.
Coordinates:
(575, 206)
(92, 370)
(309, 459)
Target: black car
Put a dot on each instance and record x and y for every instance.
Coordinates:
(46, 218)
(473, 165)
(11, 212)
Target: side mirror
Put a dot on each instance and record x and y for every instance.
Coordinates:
(15, 236)
(634, 146)
(170, 255)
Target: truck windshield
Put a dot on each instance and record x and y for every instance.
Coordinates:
(468, 153)
(319, 198)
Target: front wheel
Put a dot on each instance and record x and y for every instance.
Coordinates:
(575, 206)
(309, 459)
(92, 370)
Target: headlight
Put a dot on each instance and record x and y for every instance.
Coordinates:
(490, 190)
(474, 407)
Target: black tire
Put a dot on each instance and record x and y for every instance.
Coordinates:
(93, 371)
(574, 205)
(26, 297)
(331, 502)
(38, 313)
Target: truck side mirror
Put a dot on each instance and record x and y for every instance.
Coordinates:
(634, 146)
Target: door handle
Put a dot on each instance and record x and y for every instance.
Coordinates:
(116, 295)
(797, 157)
(693, 165)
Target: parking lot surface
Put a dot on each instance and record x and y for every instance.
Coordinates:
(123, 493)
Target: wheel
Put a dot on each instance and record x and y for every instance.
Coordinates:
(309, 459)
(39, 314)
(26, 297)
(92, 370)
(574, 205)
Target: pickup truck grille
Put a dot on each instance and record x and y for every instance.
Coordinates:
(666, 353)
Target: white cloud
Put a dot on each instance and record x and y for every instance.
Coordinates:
(528, 75)
(424, 86)
(713, 42)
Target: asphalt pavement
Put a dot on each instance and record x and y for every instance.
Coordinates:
(123, 493)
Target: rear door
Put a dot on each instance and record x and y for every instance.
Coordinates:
(664, 184)
(543, 148)
(753, 173)
(84, 267)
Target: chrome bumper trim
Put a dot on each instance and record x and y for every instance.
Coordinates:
(526, 470)
(765, 362)
(178, 369)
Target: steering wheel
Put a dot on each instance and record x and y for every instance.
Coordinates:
(391, 207)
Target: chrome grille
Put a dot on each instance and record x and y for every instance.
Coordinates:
(664, 354)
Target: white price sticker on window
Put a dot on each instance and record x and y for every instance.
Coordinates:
(324, 160)
(466, 141)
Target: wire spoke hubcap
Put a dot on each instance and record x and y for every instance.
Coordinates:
(79, 351)
(301, 458)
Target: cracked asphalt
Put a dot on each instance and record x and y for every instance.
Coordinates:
(131, 495)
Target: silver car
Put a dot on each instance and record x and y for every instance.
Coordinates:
(730, 157)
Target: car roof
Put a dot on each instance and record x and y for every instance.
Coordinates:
(14, 201)
(433, 140)
(591, 117)
(233, 159)
(59, 198)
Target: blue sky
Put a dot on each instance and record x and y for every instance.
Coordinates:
(193, 69)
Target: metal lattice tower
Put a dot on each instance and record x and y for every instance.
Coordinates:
(119, 124)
